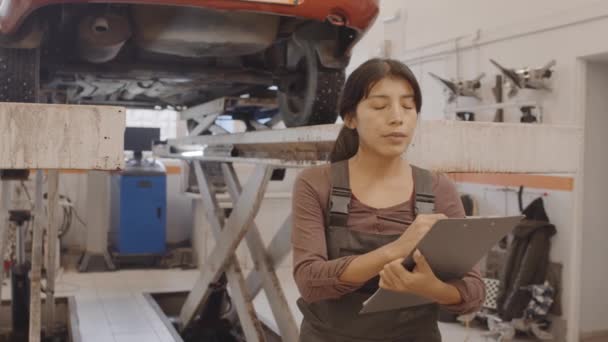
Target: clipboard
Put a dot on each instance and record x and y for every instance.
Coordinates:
(452, 248)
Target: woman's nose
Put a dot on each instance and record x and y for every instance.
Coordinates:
(396, 115)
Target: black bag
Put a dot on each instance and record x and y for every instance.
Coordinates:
(527, 261)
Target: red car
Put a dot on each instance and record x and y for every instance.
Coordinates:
(180, 53)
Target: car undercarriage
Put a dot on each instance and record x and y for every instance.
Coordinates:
(151, 56)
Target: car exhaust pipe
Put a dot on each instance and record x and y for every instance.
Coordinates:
(102, 37)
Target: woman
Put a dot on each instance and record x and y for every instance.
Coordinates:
(355, 221)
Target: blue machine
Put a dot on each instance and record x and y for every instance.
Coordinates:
(139, 208)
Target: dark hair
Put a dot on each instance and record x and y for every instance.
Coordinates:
(357, 88)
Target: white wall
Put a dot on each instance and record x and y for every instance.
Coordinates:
(516, 33)
(594, 305)
(74, 186)
(431, 21)
(166, 120)
(179, 206)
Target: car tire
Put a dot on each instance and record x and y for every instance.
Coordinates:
(312, 98)
(19, 75)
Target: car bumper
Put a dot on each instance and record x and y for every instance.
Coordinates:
(358, 14)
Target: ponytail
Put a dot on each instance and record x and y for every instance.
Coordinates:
(346, 145)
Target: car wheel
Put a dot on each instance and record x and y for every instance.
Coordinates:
(19, 75)
(310, 95)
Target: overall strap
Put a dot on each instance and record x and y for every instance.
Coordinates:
(424, 200)
(340, 195)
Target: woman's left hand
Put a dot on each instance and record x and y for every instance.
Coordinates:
(421, 281)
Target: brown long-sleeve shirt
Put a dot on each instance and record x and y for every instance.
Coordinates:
(318, 278)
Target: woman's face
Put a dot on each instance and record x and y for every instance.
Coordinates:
(386, 119)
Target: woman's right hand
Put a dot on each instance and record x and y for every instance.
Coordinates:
(407, 242)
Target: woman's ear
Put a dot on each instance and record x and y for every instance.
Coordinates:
(350, 121)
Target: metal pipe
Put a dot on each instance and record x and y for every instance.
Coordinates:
(51, 250)
(4, 227)
(20, 244)
(36, 272)
(168, 72)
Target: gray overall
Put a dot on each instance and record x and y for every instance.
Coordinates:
(338, 320)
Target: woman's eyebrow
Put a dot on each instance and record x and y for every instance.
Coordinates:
(388, 97)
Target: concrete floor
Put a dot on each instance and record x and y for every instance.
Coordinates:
(112, 308)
